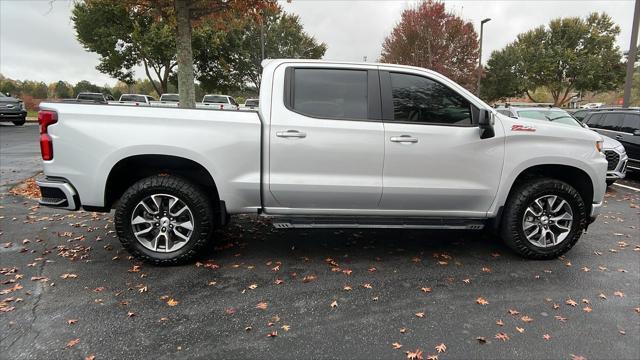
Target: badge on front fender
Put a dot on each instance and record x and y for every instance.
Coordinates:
(518, 127)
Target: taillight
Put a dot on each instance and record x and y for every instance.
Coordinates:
(46, 118)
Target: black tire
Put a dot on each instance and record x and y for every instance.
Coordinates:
(512, 231)
(610, 182)
(19, 122)
(193, 196)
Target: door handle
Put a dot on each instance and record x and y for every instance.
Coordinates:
(291, 134)
(404, 139)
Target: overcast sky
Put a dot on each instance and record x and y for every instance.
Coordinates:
(37, 40)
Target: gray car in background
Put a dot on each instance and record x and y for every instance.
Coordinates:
(12, 109)
(614, 150)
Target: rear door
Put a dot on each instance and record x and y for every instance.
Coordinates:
(435, 162)
(326, 140)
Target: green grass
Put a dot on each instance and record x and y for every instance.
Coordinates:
(32, 114)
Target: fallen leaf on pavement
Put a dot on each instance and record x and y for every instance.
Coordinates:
(420, 314)
(571, 302)
(502, 336)
(546, 337)
(172, 302)
(72, 343)
(334, 304)
(482, 301)
(262, 306)
(414, 355)
(72, 321)
(396, 345)
(441, 348)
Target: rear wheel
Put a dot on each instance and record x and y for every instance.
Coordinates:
(543, 218)
(164, 220)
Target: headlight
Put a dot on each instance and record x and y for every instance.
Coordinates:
(22, 106)
(599, 145)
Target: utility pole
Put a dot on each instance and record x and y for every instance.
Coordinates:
(262, 35)
(480, 54)
(632, 55)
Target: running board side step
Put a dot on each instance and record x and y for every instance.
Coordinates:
(375, 222)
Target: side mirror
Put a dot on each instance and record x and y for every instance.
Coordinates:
(636, 132)
(485, 122)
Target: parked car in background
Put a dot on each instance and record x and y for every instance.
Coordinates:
(333, 145)
(613, 149)
(250, 104)
(622, 125)
(99, 98)
(134, 100)
(224, 102)
(166, 100)
(591, 105)
(12, 109)
(582, 113)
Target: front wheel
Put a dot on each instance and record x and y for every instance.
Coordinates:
(610, 182)
(19, 122)
(543, 218)
(164, 220)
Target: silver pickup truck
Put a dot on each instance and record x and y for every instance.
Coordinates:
(332, 144)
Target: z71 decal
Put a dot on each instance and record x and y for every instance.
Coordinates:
(518, 127)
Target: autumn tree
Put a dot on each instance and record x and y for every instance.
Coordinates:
(430, 37)
(230, 58)
(568, 55)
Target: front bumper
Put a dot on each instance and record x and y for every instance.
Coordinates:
(58, 193)
(595, 211)
(619, 170)
(12, 115)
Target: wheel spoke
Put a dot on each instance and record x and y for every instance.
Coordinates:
(182, 209)
(144, 231)
(563, 217)
(177, 233)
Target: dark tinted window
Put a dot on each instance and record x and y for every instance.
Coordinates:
(612, 121)
(630, 123)
(215, 99)
(135, 98)
(170, 97)
(94, 97)
(251, 102)
(330, 93)
(594, 121)
(418, 99)
(580, 114)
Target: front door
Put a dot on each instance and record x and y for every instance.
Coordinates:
(435, 162)
(326, 141)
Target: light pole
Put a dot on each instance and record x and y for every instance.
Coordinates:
(631, 58)
(480, 54)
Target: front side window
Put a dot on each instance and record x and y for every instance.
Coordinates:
(612, 122)
(421, 100)
(595, 121)
(330, 93)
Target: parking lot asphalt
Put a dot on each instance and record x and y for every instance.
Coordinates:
(69, 290)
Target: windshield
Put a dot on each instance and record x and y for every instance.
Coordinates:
(135, 98)
(3, 95)
(170, 97)
(217, 99)
(556, 116)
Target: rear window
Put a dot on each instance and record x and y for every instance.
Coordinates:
(170, 97)
(94, 97)
(134, 98)
(215, 99)
(330, 93)
(253, 103)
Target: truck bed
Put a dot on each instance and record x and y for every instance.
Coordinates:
(89, 140)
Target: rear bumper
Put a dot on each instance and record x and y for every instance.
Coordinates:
(58, 193)
(595, 211)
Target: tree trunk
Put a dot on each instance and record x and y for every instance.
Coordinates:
(186, 87)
